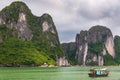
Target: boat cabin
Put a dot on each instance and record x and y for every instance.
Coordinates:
(98, 72)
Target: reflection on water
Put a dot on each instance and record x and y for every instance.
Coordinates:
(55, 73)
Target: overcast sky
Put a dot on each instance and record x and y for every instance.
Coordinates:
(72, 16)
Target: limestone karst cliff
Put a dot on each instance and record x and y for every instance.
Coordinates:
(82, 47)
(94, 47)
(27, 39)
(94, 44)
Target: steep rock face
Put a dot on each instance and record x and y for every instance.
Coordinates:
(14, 16)
(92, 46)
(98, 33)
(82, 46)
(109, 44)
(24, 32)
(2, 21)
(70, 52)
(102, 40)
(49, 29)
(62, 61)
(47, 24)
(22, 24)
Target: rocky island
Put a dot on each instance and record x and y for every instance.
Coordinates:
(26, 39)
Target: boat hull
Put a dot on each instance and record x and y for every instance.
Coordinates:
(95, 75)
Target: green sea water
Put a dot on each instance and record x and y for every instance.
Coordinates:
(54, 73)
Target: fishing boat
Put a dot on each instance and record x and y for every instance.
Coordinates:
(98, 72)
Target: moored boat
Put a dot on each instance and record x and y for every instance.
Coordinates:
(98, 72)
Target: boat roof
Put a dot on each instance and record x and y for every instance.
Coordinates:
(96, 69)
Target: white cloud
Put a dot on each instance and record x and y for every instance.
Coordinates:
(96, 9)
(72, 16)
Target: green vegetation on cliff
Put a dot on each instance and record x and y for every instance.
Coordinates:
(70, 52)
(117, 48)
(11, 13)
(16, 48)
(15, 52)
(96, 47)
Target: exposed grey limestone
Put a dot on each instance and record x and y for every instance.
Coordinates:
(2, 21)
(95, 35)
(109, 44)
(47, 27)
(21, 26)
(22, 17)
(82, 47)
(62, 61)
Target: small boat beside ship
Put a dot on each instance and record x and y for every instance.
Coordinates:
(98, 72)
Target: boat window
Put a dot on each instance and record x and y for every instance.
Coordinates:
(98, 72)
(102, 72)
